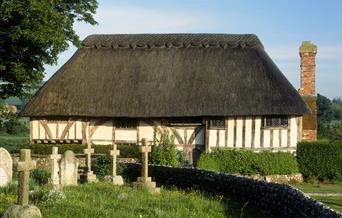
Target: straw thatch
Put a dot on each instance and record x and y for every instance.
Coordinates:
(167, 75)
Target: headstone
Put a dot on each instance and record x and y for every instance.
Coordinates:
(68, 169)
(116, 179)
(144, 181)
(22, 209)
(91, 177)
(6, 167)
(25, 165)
(55, 157)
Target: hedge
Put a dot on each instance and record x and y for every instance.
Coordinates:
(247, 162)
(277, 199)
(126, 150)
(320, 160)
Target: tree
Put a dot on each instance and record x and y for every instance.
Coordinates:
(324, 108)
(33, 33)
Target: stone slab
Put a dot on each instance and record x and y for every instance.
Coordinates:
(6, 167)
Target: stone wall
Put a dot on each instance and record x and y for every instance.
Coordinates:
(44, 162)
(278, 199)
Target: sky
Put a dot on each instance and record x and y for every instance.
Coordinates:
(280, 25)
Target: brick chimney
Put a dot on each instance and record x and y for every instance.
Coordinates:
(307, 53)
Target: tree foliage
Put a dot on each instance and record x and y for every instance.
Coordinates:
(329, 118)
(33, 33)
(164, 151)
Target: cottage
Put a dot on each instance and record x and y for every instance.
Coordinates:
(208, 90)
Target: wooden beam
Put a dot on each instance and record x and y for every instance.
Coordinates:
(194, 134)
(206, 140)
(84, 131)
(95, 126)
(46, 128)
(177, 136)
(66, 129)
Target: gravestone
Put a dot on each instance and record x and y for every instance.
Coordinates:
(22, 209)
(91, 177)
(116, 179)
(55, 157)
(68, 169)
(144, 181)
(6, 167)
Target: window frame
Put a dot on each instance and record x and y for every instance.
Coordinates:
(280, 117)
(221, 119)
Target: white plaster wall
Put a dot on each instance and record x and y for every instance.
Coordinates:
(61, 127)
(248, 132)
(34, 130)
(212, 137)
(267, 138)
(239, 123)
(222, 140)
(230, 142)
(127, 135)
(257, 132)
(78, 129)
(276, 138)
(294, 130)
(146, 131)
(104, 132)
(284, 138)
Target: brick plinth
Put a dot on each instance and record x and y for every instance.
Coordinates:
(309, 135)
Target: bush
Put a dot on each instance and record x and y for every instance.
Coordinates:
(102, 165)
(40, 176)
(46, 149)
(320, 160)
(164, 151)
(248, 162)
(129, 151)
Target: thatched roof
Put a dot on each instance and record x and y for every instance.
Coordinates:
(167, 75)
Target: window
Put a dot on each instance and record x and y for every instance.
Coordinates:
(276, 121)
(216, 123)
(126, 123)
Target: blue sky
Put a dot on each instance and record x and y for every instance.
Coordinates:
(281, 26)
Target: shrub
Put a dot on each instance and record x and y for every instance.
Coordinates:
(320, 160)
(247, 162)
(46, 149)
(164, 151)
(40, 176)
(102, 165)
(129, 151)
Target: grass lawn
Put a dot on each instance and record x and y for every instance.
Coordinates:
(13, 142)
(105, 200)
(334, 202)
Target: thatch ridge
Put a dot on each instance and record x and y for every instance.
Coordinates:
(183, 82)
(172, 41)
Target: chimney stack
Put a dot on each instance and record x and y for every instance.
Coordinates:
(307, 53)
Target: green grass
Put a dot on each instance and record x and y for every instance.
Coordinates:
(13, 142)
(320, 187)
(334, 202)
(105, 200)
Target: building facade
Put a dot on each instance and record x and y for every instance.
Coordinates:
(208, 90)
